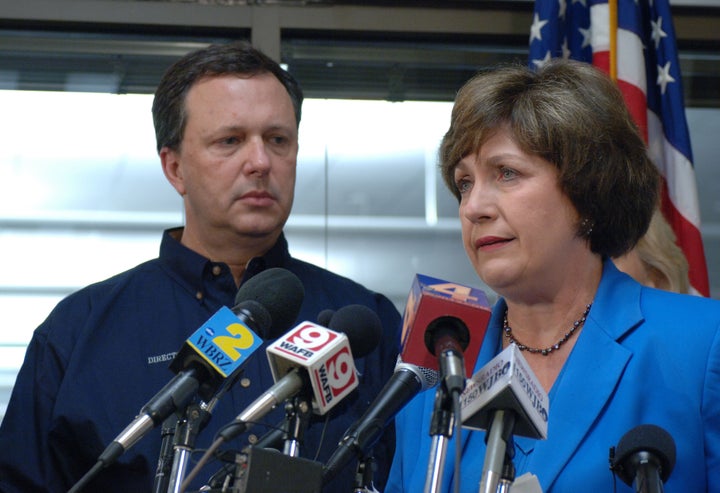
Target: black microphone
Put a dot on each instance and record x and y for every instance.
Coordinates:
(359, 323)
(325, 316)
(405, 383)
(447, 338)
(214, 352)
(644, 458)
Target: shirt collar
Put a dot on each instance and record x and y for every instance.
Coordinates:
(190, 268)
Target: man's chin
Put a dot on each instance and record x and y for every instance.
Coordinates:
(259, 230)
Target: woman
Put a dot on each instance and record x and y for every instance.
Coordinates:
(553, 180)
(657, 260)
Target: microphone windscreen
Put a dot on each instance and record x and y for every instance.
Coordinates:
(258, 314)
(280, 292)
(325, 316)
(646, 438)
(361, 325)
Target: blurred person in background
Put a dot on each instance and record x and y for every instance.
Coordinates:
(657, 260)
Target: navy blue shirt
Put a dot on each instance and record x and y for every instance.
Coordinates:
(104, 351)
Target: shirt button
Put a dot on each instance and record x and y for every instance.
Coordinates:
(199, 295)
(245, 382)
(252, 439)
(217, 270)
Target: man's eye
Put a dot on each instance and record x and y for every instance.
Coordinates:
(279, 139)
(230, 140)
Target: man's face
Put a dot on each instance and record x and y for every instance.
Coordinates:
(235, 167)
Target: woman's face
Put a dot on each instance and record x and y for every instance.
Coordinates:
(519, 230)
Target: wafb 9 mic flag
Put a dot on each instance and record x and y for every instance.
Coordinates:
(634, 42)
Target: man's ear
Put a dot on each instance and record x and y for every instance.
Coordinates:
(170, 161)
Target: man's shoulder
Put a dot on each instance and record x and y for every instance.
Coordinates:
(105, 292)
(140, 273)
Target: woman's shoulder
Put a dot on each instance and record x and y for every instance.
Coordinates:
(662, 300)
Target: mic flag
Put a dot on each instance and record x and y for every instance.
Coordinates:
(310, 358)
(506, 382)
(224, 343)
(431, 299)
(326, 357)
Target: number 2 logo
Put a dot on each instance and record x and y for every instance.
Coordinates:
(241, 338)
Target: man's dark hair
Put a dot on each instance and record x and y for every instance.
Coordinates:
(239, 58)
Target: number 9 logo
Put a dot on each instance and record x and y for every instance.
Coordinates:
(341, 371)
(311, 337)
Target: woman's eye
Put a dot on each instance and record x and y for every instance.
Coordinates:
(462, 185)
(507, 173)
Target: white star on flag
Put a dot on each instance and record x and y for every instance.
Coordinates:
(664, 77)
(657, 32)
(537, 25)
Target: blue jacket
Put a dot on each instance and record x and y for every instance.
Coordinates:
(104, 351)
(644, 356)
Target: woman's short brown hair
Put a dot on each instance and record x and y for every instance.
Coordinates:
(572, 115)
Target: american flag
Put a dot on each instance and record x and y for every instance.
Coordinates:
(634, 42)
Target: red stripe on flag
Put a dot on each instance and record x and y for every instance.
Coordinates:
(689, 240)
(601, 59)
(637, 106)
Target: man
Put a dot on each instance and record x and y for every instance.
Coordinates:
(226, 120)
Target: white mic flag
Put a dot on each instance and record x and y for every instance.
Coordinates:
(506, 382)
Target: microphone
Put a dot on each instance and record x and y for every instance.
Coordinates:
(644, 458)
(312, 357)
(275, 437)
(214, 352)
(325, 317)
(405, 383)
(446, 338)
(445, 314)
(505, 398)
(434, 311)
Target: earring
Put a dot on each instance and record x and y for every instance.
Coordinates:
(586, 226)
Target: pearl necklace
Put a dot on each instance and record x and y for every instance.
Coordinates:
(522, 347)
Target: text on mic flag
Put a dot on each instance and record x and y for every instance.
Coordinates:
(431, 298)
(326, 356)
(224, 342)
(506, 382)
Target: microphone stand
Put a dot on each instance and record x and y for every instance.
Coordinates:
(164, 467)
(447, 403)
(441, 428)
(364, 474)
(508, 474)
(497, 453)
(195, 418)
(297, 417)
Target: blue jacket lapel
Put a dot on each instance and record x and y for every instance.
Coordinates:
(590, 374)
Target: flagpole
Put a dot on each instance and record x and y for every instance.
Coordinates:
(613, 28)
